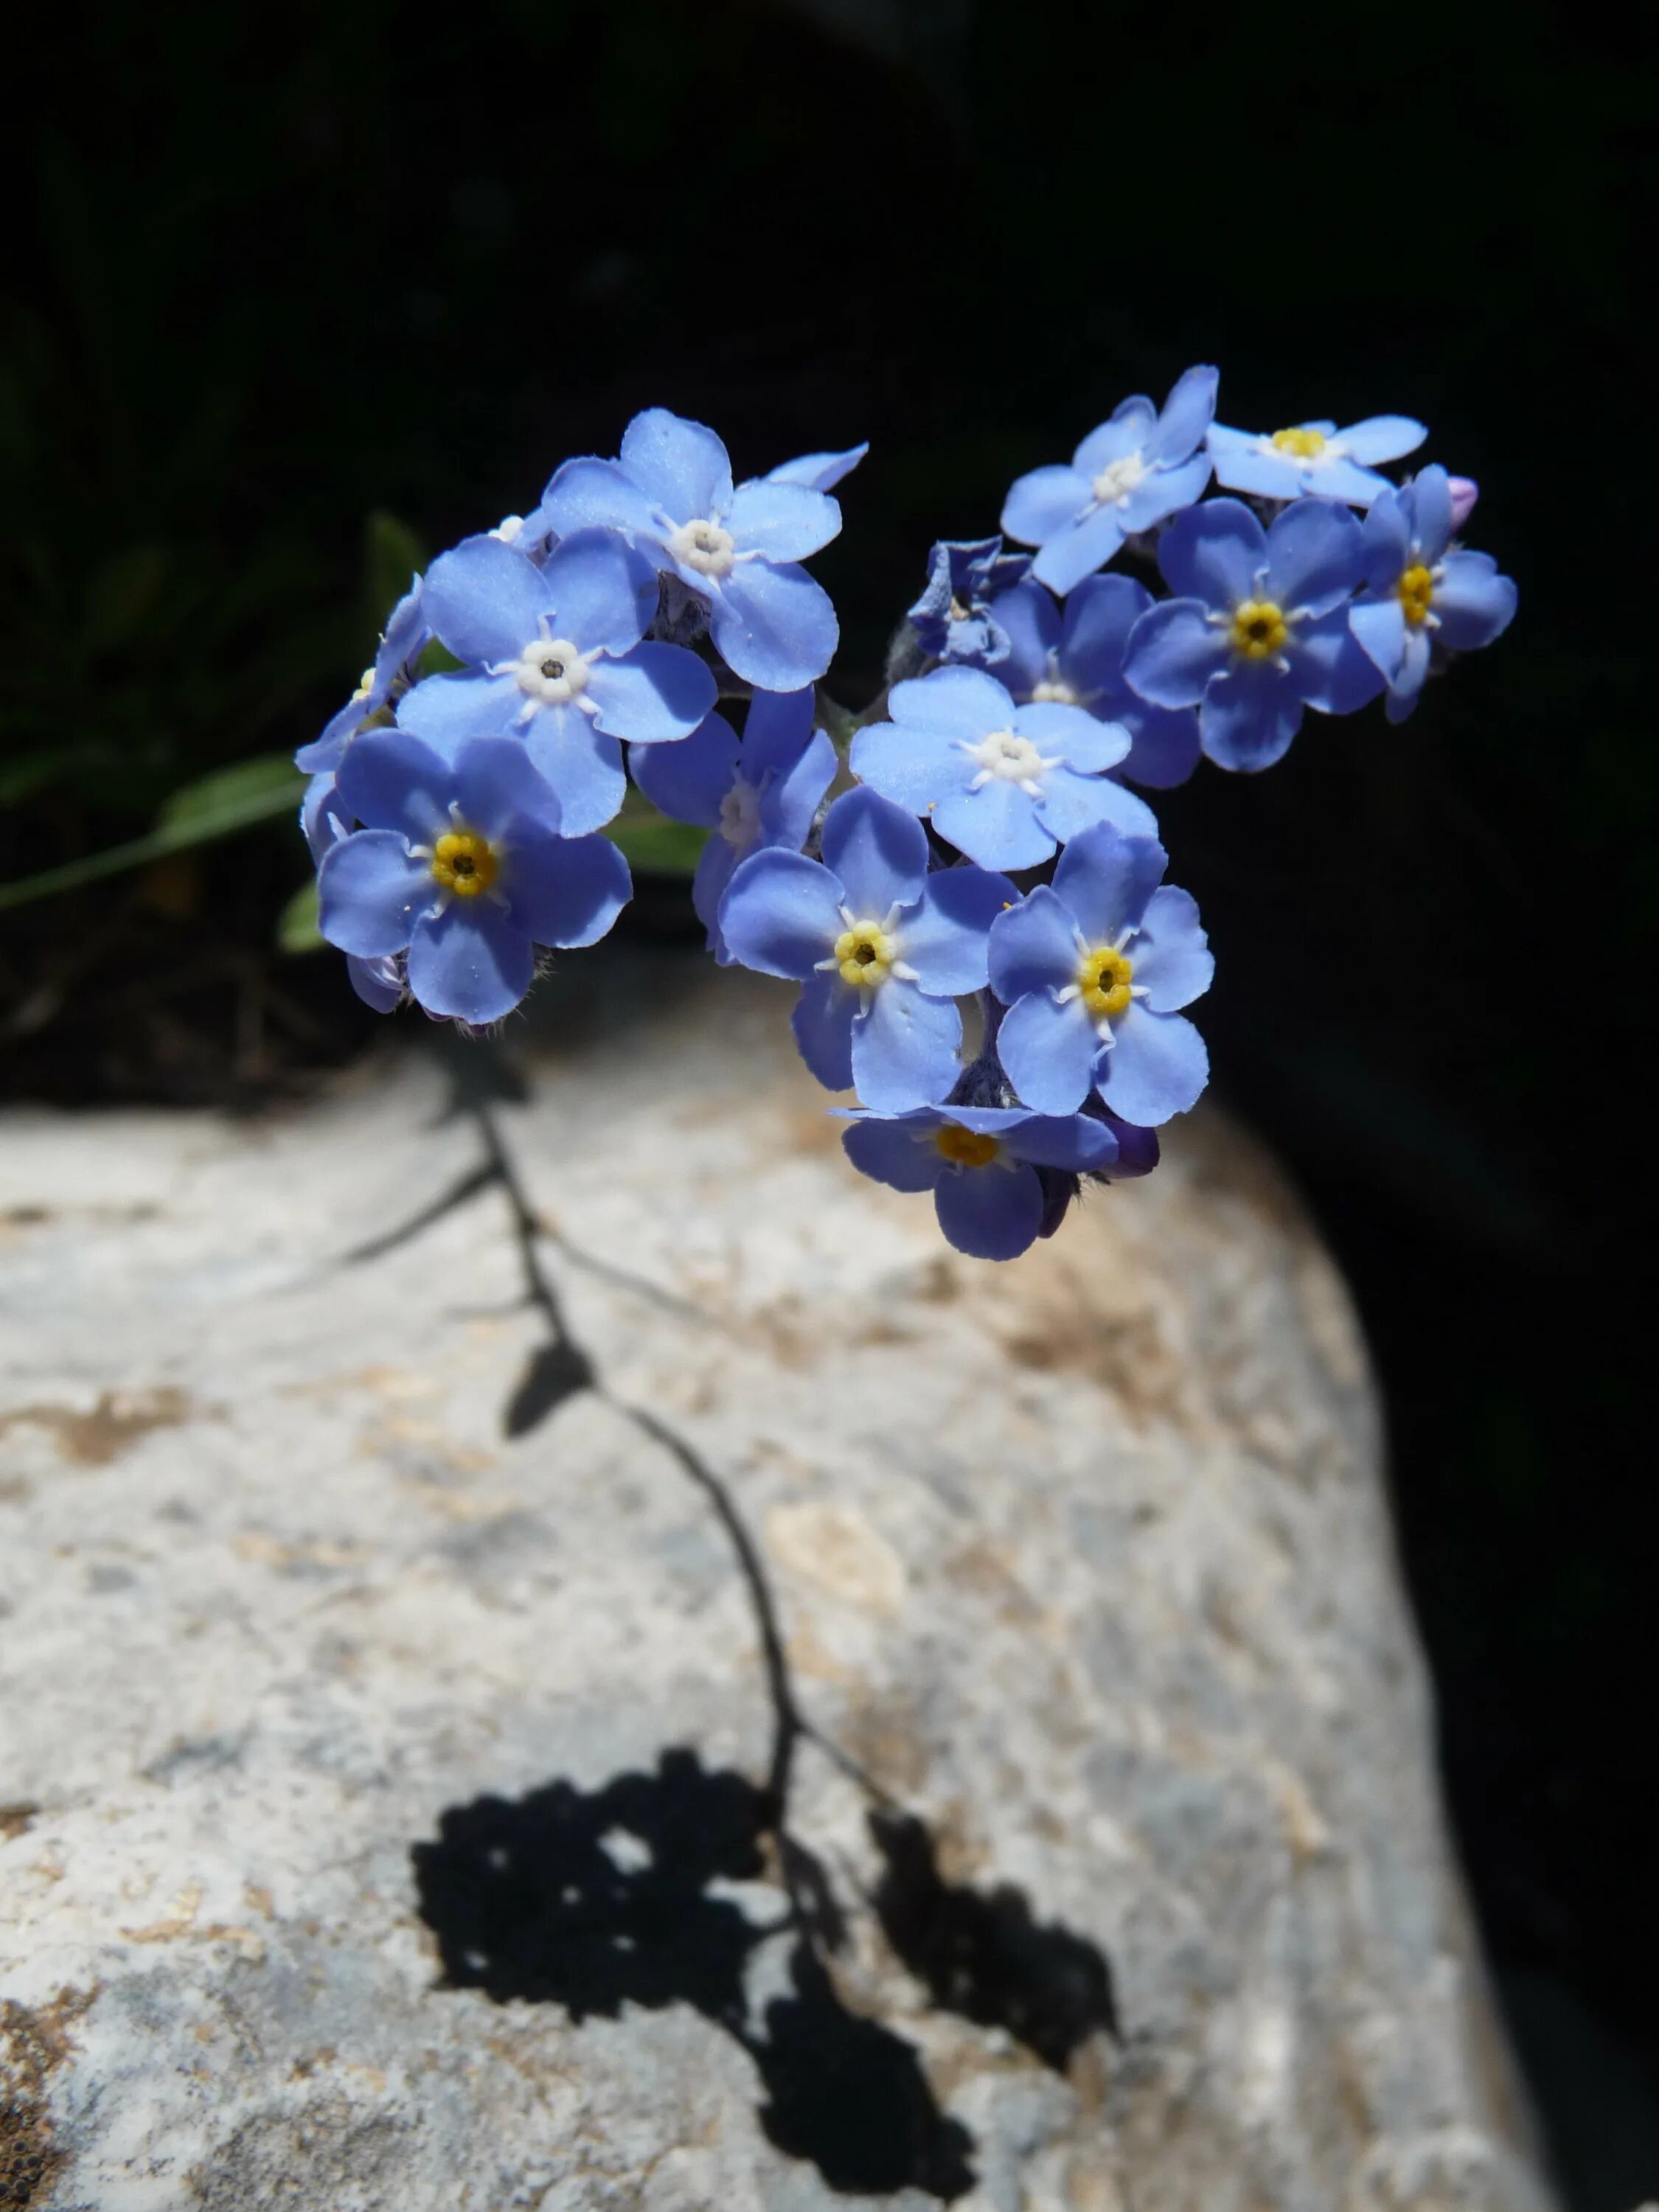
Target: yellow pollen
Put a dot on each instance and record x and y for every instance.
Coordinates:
(1259, 628)
(1103, 978)
(1416, 590)
(1302, 445)
(966, 1148)
(464, 863)
(866, 953)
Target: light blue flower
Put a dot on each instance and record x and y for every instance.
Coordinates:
(953, 618)
(883, 948)
(758, 793)
(1003, 784)
(324, 819)
(1075, 656)
(818, 471)
(990, 1168)
(391, 671)
(1126, 475)
(1093, 970)
(461, 865)
(554, 656)
(1260, 628)
(1313, 457)
(739, 551)
(1420, 596)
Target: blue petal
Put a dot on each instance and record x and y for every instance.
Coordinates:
(1213, 553)
(951, 702)
(1078, 549)
(989, 1213)
(445, 711)
(1029, 621)
(327, 748)
(1157, 1067)
(878, 850)
(1171, 955)
(324, 817)
(782, 914)
(1315, 557)
(1406, 686)
(1071, 804)
(1383, 438)
(773, 625)
(566, 890)
(1379, 625)
(1049, 1051)
(390, 780)
(1474, 604)
(651, 695)
(790, 799)
(1033, 946)
(499, 791)
(823, 1027)
(1387, 539)
(1344, 480)
(1099, 616)
(1186, 415)
(905, 1047)
(1042, 503)
(583, 766)
(818, 471)
(786, 522)
(378, 983)
(370, 891)
(775, 729)
(601, 594)
(591, 494)
(1106, 877)
(484, 600)
(1078, 738)
(1128, 430)
(473, 963)
(915, 769)
(1175, 651)
(688, 781)
(1161, 493)
(997, 826)
(1164, 744)
(901, 1153)
(1073, 1141)
(944, 938)
(1264, 476)
(1329, 667)
(1247, 722)
(681, 464)
(708, 885)
(1430, 493)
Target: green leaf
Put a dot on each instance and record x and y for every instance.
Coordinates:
(234, 798)
(296, 926)
(266, 784)
(650, 842)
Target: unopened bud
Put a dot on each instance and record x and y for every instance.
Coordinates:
(1464, 492)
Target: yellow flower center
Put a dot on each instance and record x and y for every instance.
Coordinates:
(1416, 590)
(1301, 445)
(865, 952)
(464, 863)
(1259, 627)
(966, 1148)
(1104, 977)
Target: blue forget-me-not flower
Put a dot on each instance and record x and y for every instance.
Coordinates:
(323, 819)
(758, 793)
(405, 637)
(1126, 475)
(1313, 457)
(882, 948)
(1094, 969)
(460, 864)
(1259, 630)
(1074, 654)
(818, 471)
(554, 656)
(739, 550)
(986, 1167)
(1420, 594)
(1004, 784)
(953, 619)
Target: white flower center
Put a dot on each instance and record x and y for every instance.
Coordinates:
(551, 672)
(1006, 757)
(704, 546)
(739, 823)
(508, 528)
(1118, 478)
(1054, 690)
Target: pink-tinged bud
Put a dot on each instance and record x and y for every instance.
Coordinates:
(1464, 493)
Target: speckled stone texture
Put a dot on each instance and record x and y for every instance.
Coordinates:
(380, 1818)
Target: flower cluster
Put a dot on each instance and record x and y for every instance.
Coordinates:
(974, 841)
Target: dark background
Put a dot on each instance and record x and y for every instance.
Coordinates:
(275, 272)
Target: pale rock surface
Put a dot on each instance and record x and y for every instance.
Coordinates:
(1084, 1560)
